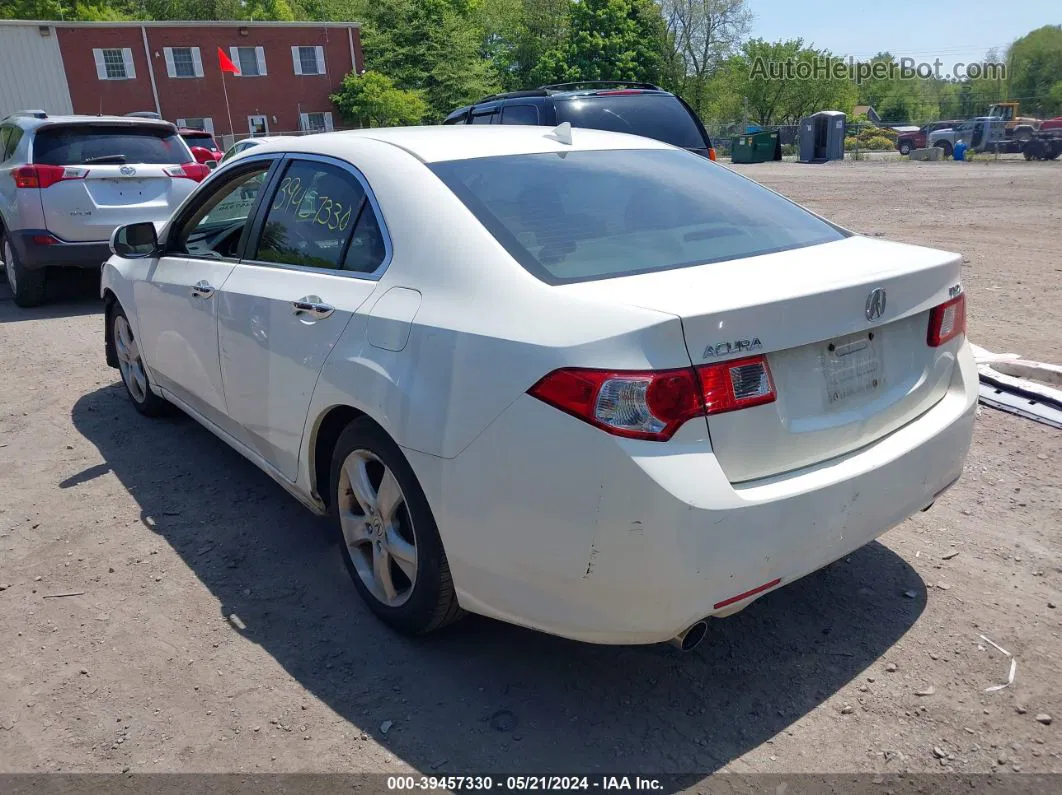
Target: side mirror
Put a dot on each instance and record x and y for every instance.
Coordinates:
(135, 241)
(211, 164)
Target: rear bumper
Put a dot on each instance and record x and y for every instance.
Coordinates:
(610, 541)
(61, 254)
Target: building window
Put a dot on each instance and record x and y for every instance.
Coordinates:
(114, 63)
(316, 122)
(308, 60)
(257, 125)
(204, 123)
(251, 60)
(183, 62)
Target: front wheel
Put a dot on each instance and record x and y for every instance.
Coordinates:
(131, 366)
(389, 538)
(905, 148)
(946, 146)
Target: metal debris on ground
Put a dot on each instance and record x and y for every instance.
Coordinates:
(1020, 386)
(1013, 666)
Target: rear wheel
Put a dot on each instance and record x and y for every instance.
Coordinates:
(131, 365)
(27, 286)
(389, 538)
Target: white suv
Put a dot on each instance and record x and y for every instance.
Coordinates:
(66, 182)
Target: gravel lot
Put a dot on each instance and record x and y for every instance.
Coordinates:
(214, 628)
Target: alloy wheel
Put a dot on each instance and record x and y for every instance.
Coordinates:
(377, 528)
(129, 361)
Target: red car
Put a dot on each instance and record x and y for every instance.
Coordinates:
(204, 147)
(907, 141)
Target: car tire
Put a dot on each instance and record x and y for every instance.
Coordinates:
(27, 286)
(905, 148)
(384, 541)
(135, 377)
(946, 146)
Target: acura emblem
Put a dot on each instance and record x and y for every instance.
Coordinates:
(876, 303)
(127, 171)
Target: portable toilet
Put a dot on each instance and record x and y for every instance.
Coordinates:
(822, 136)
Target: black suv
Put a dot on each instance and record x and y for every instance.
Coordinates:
(637, 108)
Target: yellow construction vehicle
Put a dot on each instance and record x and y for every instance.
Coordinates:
(1018, 128)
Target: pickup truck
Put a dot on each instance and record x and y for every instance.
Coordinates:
(907, 141)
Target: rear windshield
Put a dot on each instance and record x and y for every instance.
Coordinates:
(658, 116)
(76, 145)
(577, 216)
(200, 139)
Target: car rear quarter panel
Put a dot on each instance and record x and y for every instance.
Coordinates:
(484, 331)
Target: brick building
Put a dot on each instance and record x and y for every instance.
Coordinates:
(287, 71)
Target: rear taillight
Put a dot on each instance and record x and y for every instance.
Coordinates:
(736, 384)
(653, 404)
(711, 153)
(947, 321)
(193, 171)
(45, 176)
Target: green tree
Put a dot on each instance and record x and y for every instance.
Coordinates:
(371, 100)
(1034, 67)
(516, 33)
(777, 97)
(430, 46)
(607, 40)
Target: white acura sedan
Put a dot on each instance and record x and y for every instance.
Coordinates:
(576, 380)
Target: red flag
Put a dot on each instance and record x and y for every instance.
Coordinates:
(226, 63)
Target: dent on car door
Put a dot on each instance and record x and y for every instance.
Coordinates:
(177, 301)
(314, 252)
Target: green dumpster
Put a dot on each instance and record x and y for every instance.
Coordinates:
(760, 147)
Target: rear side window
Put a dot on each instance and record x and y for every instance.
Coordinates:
(484, 118)
(659, 116)
(101, 143)
(519, 114)
(588, 215)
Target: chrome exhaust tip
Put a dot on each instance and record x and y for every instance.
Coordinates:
(691, 637)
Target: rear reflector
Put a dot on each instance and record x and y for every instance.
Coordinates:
(193, 171)
(747, 594)
(45, 240)
(947, 321)
(653, 404)
(711, 153)
(45, 176)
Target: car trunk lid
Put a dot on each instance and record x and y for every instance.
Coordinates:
(843, 375)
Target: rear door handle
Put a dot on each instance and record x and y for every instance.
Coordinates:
(202, 289)
(313, 306)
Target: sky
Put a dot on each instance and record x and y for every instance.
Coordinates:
(952, 31)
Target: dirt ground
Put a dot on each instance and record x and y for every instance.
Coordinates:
(215, 629)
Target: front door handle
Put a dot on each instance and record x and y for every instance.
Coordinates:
(202, 289)
(313, 306)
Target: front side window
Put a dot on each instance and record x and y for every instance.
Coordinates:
(311, 217)
(114, 64)
(576, 216)
(214, 229)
